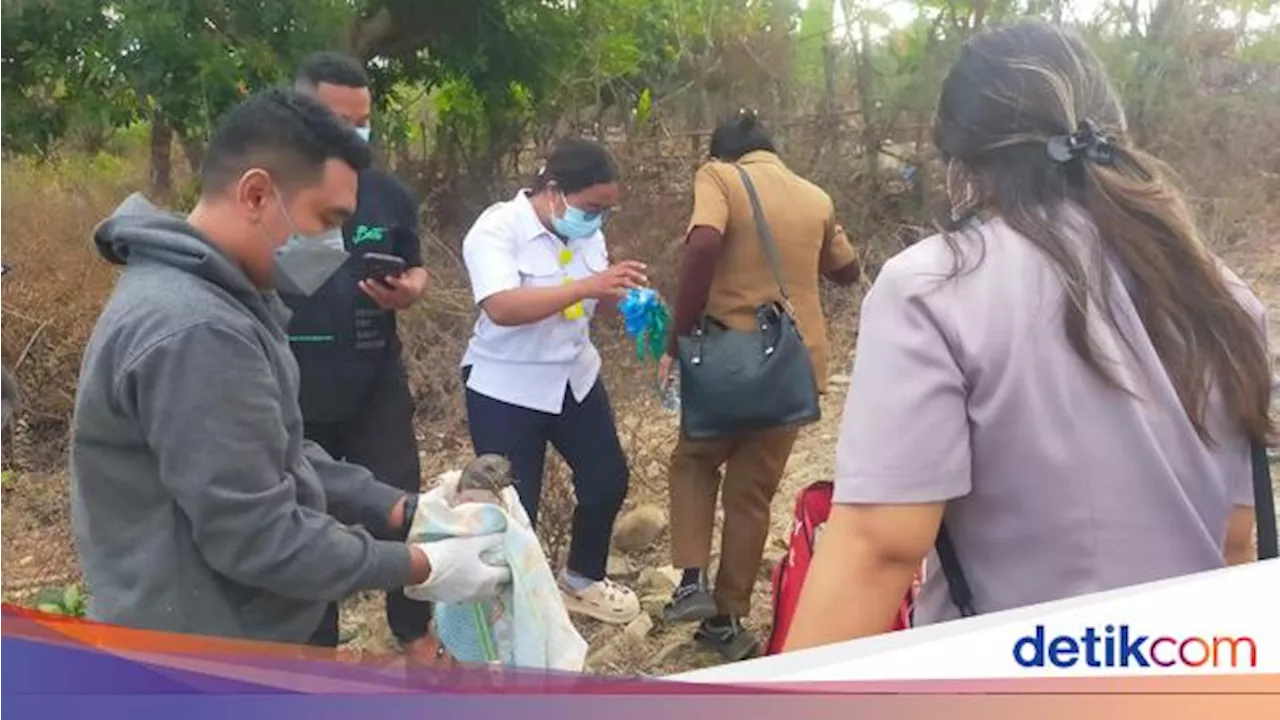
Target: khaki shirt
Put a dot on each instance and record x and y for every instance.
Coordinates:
(802, 219)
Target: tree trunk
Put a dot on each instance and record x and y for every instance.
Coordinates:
(1160, 67)
(979, 15)
(161, 157)
(866, 103)
(193, 151)
(830, 123)
(781, 52)
(1242, 22)
(828, 76)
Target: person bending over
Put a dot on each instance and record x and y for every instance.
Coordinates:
(197, 504)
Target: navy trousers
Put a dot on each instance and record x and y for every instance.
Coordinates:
(586, 437)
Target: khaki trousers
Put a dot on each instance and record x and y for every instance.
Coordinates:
(753, 465)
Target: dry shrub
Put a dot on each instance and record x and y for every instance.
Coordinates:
(52, 298)
(1234, 171)
(1220, 142)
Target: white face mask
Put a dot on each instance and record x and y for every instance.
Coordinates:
(364, 132)
(306, 262)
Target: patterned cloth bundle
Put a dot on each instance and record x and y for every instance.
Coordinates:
(527, 626)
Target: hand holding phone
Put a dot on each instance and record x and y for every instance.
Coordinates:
(377, 266)
(385, 279)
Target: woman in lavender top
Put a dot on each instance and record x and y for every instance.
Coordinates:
(1067, 376)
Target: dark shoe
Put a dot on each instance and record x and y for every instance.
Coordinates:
(733, 641)
(689, 603)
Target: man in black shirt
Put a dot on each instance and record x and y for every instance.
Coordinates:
(355, 395)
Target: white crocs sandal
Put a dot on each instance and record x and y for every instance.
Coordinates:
(603, 600)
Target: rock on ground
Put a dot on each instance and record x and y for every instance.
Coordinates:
(640, 627)
(620, 567)
(658, 580)
(638, 529)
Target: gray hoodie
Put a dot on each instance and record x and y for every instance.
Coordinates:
(197, 504)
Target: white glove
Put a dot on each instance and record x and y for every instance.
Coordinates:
(463, 569)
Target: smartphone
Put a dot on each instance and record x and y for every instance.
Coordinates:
(377, 266)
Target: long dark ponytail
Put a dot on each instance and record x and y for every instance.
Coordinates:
(1030, 116)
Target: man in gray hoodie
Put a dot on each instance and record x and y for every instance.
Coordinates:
(197, 504)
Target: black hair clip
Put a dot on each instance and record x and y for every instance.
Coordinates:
(1087, 141)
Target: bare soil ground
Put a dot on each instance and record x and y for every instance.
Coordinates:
(36, 550)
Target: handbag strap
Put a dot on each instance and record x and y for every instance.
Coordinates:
(1263, 506)
(1264, 503)
(766, 235)
(957, 584)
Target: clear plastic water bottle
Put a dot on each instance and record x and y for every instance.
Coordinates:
(671, 393)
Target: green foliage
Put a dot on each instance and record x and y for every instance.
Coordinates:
(816, 27)
(191, 61)
(468, 78)
(67, 601)
(58, 71)
(644, 108)
(68, 61)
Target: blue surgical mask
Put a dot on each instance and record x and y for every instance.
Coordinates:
(364, 132)
(576, 223)
(306, 262)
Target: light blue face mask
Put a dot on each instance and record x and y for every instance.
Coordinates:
(306, 262)
(365, 132)
(577, 223)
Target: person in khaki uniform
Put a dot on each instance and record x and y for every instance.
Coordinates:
(726, 275)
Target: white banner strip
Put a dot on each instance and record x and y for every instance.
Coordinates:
(1218, 622)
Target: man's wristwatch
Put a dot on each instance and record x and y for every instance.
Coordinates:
(410, 509)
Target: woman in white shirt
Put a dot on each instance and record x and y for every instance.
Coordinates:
(539, 271)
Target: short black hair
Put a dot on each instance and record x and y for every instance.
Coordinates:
(739, 135)
(576, 164)
(330, 67)
(283, 131)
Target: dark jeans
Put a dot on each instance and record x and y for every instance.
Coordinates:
(586, 437)
(381, 438)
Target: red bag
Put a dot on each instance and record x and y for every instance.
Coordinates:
(812, 508)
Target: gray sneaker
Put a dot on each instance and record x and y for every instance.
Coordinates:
(733, 641)
(689, 603)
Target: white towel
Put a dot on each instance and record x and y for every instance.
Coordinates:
(527, 626)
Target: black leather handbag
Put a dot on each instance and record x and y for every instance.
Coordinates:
(732, 381)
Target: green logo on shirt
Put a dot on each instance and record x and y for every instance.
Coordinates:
(368, 233)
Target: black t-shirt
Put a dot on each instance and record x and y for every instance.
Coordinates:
(339, 335)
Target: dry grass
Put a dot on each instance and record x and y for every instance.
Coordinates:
(52, 299)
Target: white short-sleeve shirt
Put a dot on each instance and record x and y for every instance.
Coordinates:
(529, 365)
